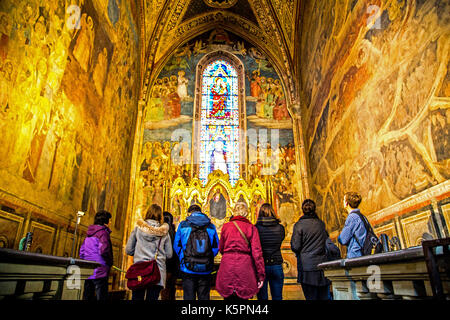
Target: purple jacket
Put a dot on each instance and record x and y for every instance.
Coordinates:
(97, 247)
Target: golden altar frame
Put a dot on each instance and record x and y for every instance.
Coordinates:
(194, 191)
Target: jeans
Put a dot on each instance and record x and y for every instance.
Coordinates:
(275, 279)
(316, 292)
(196, 285)
(151, 293)
(96, 289)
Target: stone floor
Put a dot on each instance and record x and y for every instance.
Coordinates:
(290, 292)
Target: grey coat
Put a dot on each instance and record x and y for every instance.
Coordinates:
(143, 243)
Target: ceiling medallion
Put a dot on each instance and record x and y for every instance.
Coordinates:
(222, 4)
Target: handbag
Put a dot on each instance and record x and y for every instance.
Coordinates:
(143, 274)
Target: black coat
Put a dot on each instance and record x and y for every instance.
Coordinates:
(271, 235)
(308, 243)
(172, 264)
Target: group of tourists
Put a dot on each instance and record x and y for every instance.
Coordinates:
(251, 260)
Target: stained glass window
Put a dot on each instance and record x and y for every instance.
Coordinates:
(219, 124)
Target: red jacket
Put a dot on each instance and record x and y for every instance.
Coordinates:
(241, 267)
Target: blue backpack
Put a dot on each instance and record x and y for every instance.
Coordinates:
(198, 256)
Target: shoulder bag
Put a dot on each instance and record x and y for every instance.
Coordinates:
(143, 274)
(242, 233)
(371, 243)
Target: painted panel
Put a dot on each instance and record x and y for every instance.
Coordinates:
(43, 236)
(415, 226)
(10, 228)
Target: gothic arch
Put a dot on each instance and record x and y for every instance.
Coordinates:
(257, 39)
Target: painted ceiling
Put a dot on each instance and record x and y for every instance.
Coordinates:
(270, 25)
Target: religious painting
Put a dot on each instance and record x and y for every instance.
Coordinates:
(218, 204)
(195, 200)
(161, 163)
(164, 107)
(223, 4)
(178, 208)
(266, 102)
(43, 236)
(353, 143)
(153, 170)
(10, 229)
(255, 204)
(219, 122)
(270, 103)
(89, 59)
(219, 133)
(171, 96)
(59, 75)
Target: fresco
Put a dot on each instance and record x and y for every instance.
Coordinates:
(67, 104)
(376, 101)
(169, 112)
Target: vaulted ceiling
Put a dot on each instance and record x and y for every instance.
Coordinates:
(270, 25)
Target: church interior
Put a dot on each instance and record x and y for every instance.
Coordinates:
(119, 104)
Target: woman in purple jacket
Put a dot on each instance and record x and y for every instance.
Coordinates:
(97, 247)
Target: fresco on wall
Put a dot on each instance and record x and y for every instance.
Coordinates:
(67, 104)
(376, 112)
(170, 108)
(89, 58)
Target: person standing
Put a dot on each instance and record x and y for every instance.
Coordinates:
(196, 244)
(241, 273)
(172, 264)
(146, 239)
(308, 243)
(354, 232)
(97, 247)
(271, 235)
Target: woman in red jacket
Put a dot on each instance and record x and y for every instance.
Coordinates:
(241, 273)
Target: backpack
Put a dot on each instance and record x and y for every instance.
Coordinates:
(198, 256)
(371, 241)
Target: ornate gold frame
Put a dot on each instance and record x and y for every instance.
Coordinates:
(218, 178)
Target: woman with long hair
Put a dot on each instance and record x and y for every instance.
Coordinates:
(271, 235)
(172, 264)
(151, 236)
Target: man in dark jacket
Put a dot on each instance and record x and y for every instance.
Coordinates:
(195, 283)
(97, 247)
(308, 243)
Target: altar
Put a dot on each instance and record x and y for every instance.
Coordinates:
(217, 198)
